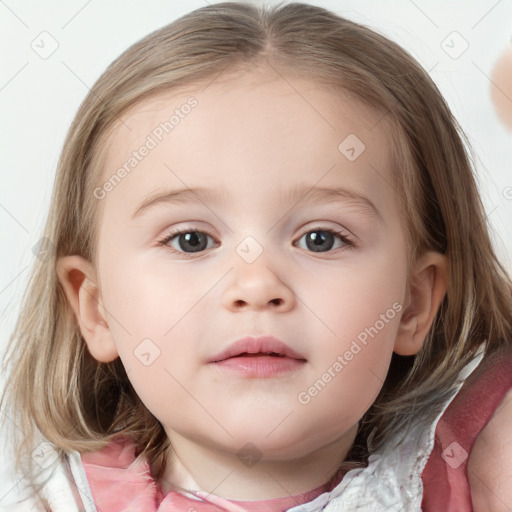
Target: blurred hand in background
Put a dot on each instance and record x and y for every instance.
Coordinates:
(501, 92)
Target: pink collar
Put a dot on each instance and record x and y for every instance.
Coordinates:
(119, 484)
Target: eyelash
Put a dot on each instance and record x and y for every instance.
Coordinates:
(349, 243)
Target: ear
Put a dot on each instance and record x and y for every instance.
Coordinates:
(78, 278)
(426, 290)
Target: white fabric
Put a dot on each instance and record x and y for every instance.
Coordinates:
(391, 482)
(66, 490)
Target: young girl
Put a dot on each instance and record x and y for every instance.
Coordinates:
(190, 345)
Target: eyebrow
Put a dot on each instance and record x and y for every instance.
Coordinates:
(299, 193)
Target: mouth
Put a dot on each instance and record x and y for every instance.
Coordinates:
(259, 354)
(265, 346)
(258, 358)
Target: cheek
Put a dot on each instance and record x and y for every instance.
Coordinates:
(145, 302)
(356, 359)
(156, 317)
(359, 322)
(361, 300)
(346, 386)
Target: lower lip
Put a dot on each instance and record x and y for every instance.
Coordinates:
(260, 366)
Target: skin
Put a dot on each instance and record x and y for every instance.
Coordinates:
(501, 90)
(252, 135)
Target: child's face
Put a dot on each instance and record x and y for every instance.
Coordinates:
(250, 142)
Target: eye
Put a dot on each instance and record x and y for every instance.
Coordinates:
(320, 238)
(190, 241)
(186, 241)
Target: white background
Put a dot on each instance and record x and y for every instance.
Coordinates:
(38, 98)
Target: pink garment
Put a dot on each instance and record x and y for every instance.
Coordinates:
(445, 478)
(118, 484)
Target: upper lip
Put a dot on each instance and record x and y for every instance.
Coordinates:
(253, 345)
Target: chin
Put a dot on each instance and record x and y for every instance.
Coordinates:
(280, 445)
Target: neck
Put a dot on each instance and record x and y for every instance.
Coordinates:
(193, 466)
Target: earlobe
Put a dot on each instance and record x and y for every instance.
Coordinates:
(426, 290)
(78, 279)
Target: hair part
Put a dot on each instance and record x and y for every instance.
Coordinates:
(78, 403)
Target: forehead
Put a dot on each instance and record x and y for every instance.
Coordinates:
(244, 131)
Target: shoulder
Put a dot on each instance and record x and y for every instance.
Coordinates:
(490, 462)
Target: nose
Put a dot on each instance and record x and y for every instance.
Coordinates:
(256, 286)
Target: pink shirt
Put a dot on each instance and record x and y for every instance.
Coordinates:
(118, 484)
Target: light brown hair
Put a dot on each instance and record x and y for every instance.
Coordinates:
(79, 403)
